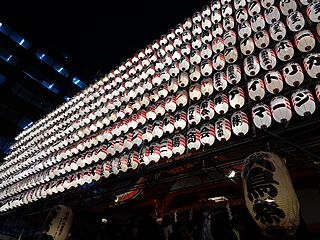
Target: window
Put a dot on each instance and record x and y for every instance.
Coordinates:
(60, 69)
(51, 87)
(44, 57)
(6, 56)
(79, 83)
(24, 122)
(20, 40)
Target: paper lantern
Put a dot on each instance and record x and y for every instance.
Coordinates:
(124, 163)
(194, 115)
(247, 46)
(313, 11)
(156, 80)
(215, 5)
(160, 108)
(233, 74)
(111, 149)
(206, 67)
(165, 74)
(142, 117)
(133, 160)
(229, 38)
(144, 155)
(239, 123)
(206, 23)
(218, 61)
(195, 92)
(239, 4)
(196, 18)
(273, 82)
(186, 36)
(293, 74)
(96, 172)
(221, 103)
(305, 40)
(227, 10)
(178, 144)
(193, 139)
(303, 102)
(115, 166)
(254, 8)
(154, 152)
(261, 116)
(137, 137)
(267, 59)
(183, 79)
(218, 45)
(157, 130)
(287, 6)
(295, 21)
(127, 143)
(281, 109)
(196, 39)
(147, 133)
(222, 129)
(100, 153)
(269, 194)
(284, 50)
(180, 120)
(184, 63)
(251, 65)
(231, 54)
(182, 98)
(173, 85)
(311, 64)
(317, 88)
(220, 81)
(206, 36)
(207, 109)
(244, 29)
(159, 65)
(216, 16)
(205, 51)
(118, 144)
(236, 97)
(151, 113)
(194, 73)
(242, 15)
(207, 136)
(272, 14)
(277, 31)
(154, 95)
(228, 23)
(168, 124)
(257, 23)
(174, 70)
(170, 104)
(166, 146)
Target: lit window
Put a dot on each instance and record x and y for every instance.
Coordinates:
(51, 87)
(5, 29)
(60, 69)
(6, 56)
(24, 122)
(79, 83)
(20, 40)
(44, 57)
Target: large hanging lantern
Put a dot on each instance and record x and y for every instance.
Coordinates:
(251, 65)
(305, 41)
(218, 45)
(269, 194)
(194, 115)
(218, 61)
(194, 73)
(233, 74)
(221, 103)
(183, 79)
(261, 115)
(171, 104)
(261, 39)
(303, 102)
(182, 98)
(312, 65)
(220, 81)
(287, 6)
(207, 87)
(154, 152)
(195, 91)
(217, 30)
(206, 67)
(244, 29)
(240, 123)
(247, 46)
(242, 15)
(168, 124)
(144, 155)
(281, 109)
(295, 21)
(273, 82)
(207, 109)
(229, 38)
(236, 97)
(284, 50)
(179, 144)
(272, 14)
(207, 136)
(313, 11)
(157, 130)
(166, 146)
(193, 139)
(267, 59)
(293, 74)
(147, 133)
(228, 23)
(277, 31)
(137, 137)
(180, 120)
(222, 129)
(231, 54)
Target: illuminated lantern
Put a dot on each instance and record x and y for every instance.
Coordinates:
(193, 139)
(156, 80)
(311, 64)
(295, 21)
(166, 148)
(137, 137)
(196, 18)
(275, 207)
(205, 51)
(207, 109)
(236, 98)
(287, 6)
(194, 73)
(261, 116)
(226, 10)
(313, 11)
(121, 114)
(216, 16)
(277, 31)
(165, 75)
(218, 61)
(173, 85)
(194, 115)
(195, 57)
(233, 74)
(151, 113)
(293, 74)
(184, 63)
(231, 54)
(147, 133)
(168, 124)
(222, 129)
(239, 3)
(215, 5)
(254, 8)
(303, 102)
(183, 79)
(118, 144)
(206, 23)
(207, 135)
(220, 81)
(239, 123)
(182, 98)
(157, 130)
(127, 143)
(154, 152)
(229, 38)
(281, 109)
(206, 67)
(159, 65)
(242, 15)
(206, 11)
(318, 91)
(186, 36)
(257, 23)
(206, 36)
(151, 70)
(179, 144)
(136, 104)
(163, 90)
(218, 45)
(100, 153)
(196, 42)
(247, 46)
(180, 120)
(133, 160)
(267, 59)
(284, 50)
(195, 91)
(128, 109)
(304, 40)
(106, 169)
(124, 163)
(228, 23)
(144, 155)
(163, 41)
(115, 165)
(174, 70)
(272, 14)
(111, 150)
(251, 65)
(177, 55)
(244, 29)
(107, 134)
(171, 104)
(160, 108)
(142, 117)
(221, 103)
(273, 82)
(206, 87)
(217, 30)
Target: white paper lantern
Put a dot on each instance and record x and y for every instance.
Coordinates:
(182, 98)
(207, 87)
(284, 50)
(147, 135)
(180, 120)
(244, 29)
(127, 143)
(144, 155)
(261, 116)
(207, 135)
(229, 38)
(133, 160)
(168, 124)
(303, 102)
(142, 117)
(267, 59)
(247, 46)
(222, 129)
(206, 67)
(173, 85)
(273, 82)
(194, 115)
(272, 14)
(216, 16)
(193, 139)
(195, 91)
(239, 3)
(261, 39)
(124, 163)
(137, 137)
(231, 54)
(205, 51)
(311, 64)
(165, 74)
(157, 130)
(228, 23)
(118, 144)
(233, 74)
(151, 112)
(305, 40)
(170, 104)
(218, 45)
(220, 81)
(154, 152)
(207, 109)
(179, 144)
(215, 5)
(239, 123)
(160, 108)
(293, 74)
(166, 146)
(287, 6)
(115, 166)
(196, 39)
(277, 31)
(186, 36)
(251, 65)
(183, 79)
(111, 150)
(281, 109)
(194, 73)
(313, 11)
(174, 70)
(221, 104)
(295, 21)
(184, 63)
(206, 36)
(218, 61)
(242, 15)
(236, 97)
